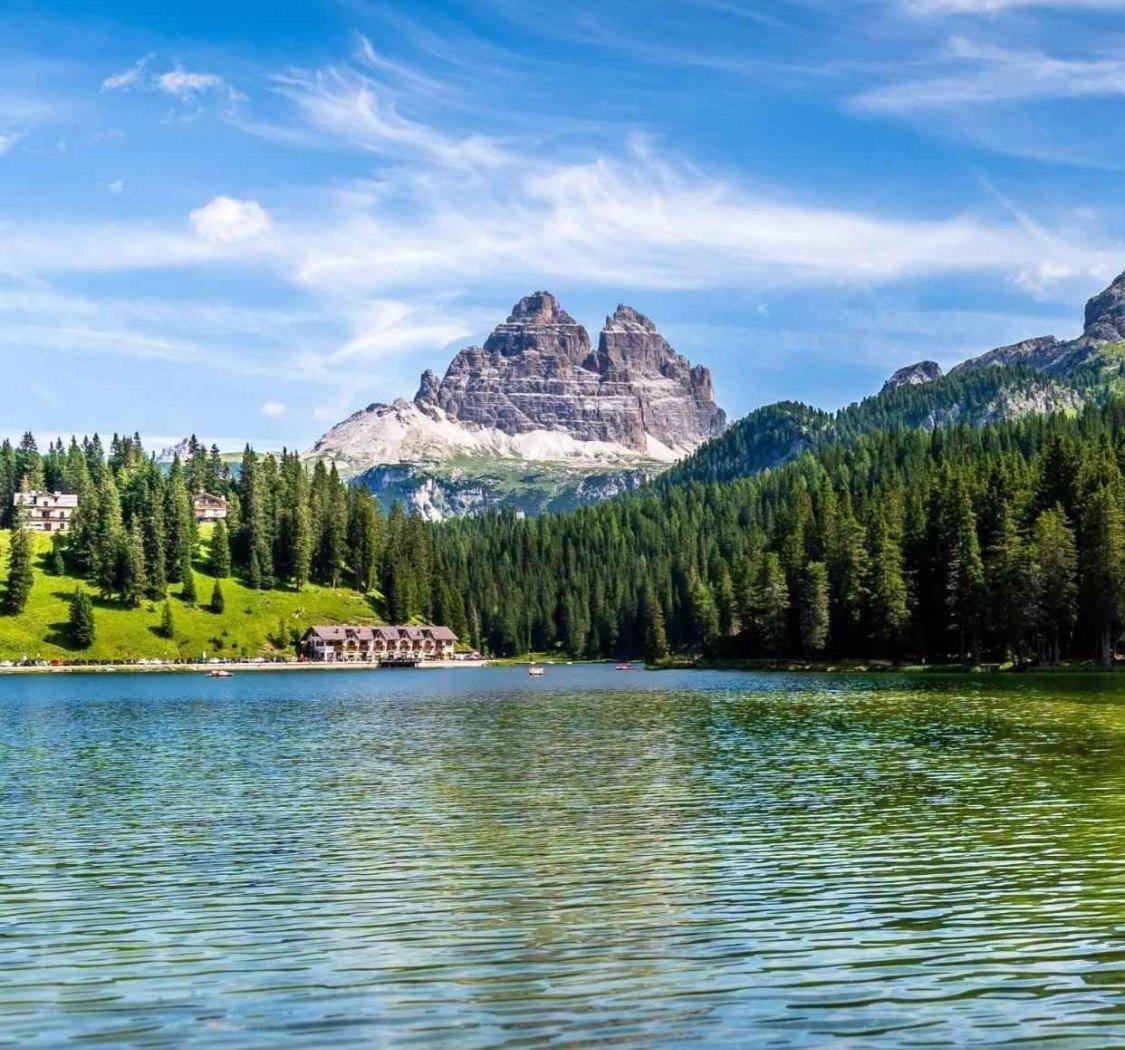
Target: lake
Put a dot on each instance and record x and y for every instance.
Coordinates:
(476, 857)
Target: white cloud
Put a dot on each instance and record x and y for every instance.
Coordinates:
(127, 79)
(7, 140)
(116, 186)
(228, 220)
(986, 74)
(273, 409)
(361, 111)
(183, 85)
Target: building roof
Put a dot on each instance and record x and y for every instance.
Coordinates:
(45, 499)
(386, 632)
(210, 497)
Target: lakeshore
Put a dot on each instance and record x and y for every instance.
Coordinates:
(233, 667)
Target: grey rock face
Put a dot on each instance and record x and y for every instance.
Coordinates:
(537, 371)
(438, 494)
(1038, 353)
(914, 375)
(1105, 313)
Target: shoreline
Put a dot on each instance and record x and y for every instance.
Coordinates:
(234, 668)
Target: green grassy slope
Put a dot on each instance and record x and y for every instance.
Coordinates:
(250, 625)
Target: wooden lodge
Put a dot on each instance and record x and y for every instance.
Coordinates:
(388, 646)
(209, 507)
(45, 511)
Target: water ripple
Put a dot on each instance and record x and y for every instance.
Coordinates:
(466, 859)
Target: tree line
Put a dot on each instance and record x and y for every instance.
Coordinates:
(1002, 542)
(134, 537)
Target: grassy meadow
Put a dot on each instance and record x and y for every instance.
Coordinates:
(252, 623)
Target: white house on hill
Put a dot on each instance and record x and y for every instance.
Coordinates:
(45, 511)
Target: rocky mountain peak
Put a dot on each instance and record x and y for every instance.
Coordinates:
(626, 317)
(1105, 313)
(539, 308)
(536, 385)
(914, 375)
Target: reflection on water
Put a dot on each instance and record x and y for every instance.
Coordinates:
(474, 857)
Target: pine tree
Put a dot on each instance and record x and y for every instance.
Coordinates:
(965, 585)
(58, 561)
(220, 551)
(656, 638)
(167, 623)
(19, 571)
(218, 603)
(771, 606)
(188, 593)
(81, 626)
(1103, 568)
(133, 579)
(1010, 585)
(1055, 568)
(888, 601)
(812, 611)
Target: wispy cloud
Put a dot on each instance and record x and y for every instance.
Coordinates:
(992, 7)
(185, 85)
(128, 78)
(974, 74)
(7, 140)
(273, 409)
(361, 111)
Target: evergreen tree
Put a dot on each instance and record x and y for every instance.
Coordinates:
(1103, 568)
(167, 623)
(812, 611)
(19, 571)
(1010, 585)
(656, 638)
(133, 579)
(58, 562)
(81, 626)
(888, 601)
(1055, 569)
(220, 551)
(188, 592)
(965, 585)
(218, 603)
(771, 606)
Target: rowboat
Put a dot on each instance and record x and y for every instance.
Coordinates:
(535, 670)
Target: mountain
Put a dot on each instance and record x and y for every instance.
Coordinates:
(535, 401)
(1042, 374)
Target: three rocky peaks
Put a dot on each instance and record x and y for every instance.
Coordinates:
(538, 390)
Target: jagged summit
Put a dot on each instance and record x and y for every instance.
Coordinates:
(1105, 313)
(914, 375)
(538, 390)
(539, 308)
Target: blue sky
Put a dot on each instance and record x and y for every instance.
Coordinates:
(248, 220)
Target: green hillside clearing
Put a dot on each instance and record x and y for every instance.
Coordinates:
(252, 623)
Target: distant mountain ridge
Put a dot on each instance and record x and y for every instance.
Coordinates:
(1042, 374)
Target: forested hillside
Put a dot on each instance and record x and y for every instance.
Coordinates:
(1002, 541)
(778, 433)
(134, 544)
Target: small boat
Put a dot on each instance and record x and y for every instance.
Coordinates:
(220, 674)
(624, 666)
(535, 670)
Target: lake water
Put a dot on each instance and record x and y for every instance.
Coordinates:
(477, 857)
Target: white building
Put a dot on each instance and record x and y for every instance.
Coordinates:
(209, 507)
(45, 511)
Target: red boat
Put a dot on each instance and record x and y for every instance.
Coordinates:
(625, 666)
